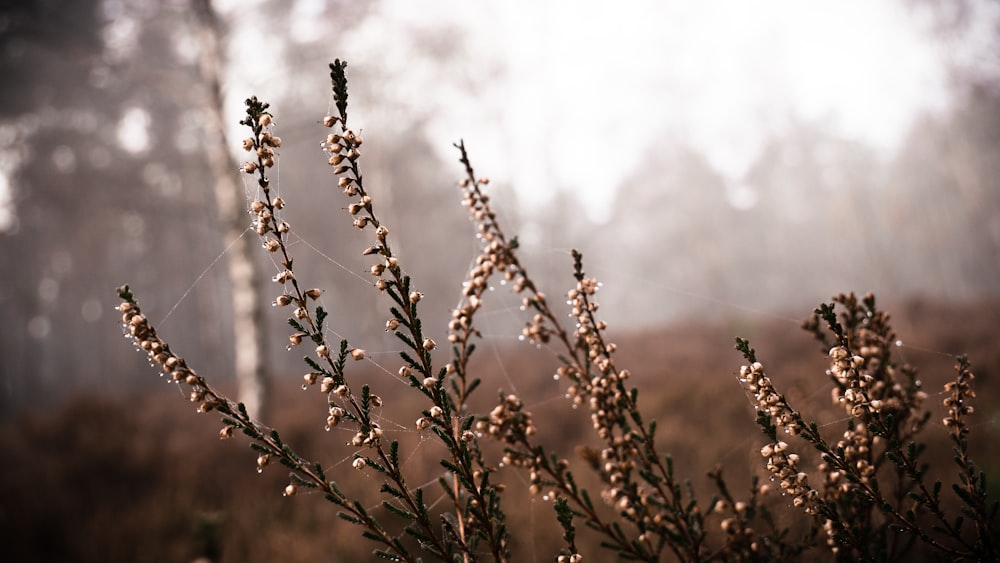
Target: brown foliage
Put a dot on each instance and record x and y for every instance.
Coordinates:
(143, 478)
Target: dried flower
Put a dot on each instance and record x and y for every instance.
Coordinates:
(262, 460)
(296, 338)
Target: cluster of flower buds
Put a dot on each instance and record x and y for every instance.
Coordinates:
(497, 250)
(768, 400)
(479, 208)
(369, 439)
(537, 330)
(143, 335)
(343, 150)
(784, 467)
(629, 503)
(335, 415)
(582, 309)
(602, 391)
(460, 328)
(264, 145)
(868, 383)
(853, 386)
(264, 222)
(497, 256)
(508, 421)
(957, 401)
(856, 447)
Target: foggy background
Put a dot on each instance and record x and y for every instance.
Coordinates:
(711, 160)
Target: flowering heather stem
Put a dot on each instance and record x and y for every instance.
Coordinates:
(884, 417)
(476, 499)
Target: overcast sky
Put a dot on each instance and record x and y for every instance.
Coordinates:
(585, 89)
(574, 93)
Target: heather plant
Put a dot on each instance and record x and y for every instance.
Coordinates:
(873, 503)
(875, 499)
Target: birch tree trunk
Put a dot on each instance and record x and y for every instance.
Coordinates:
(248, 310)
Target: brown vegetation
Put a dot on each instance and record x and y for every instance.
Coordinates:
(144, 478)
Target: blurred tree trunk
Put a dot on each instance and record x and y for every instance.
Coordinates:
(248, 311)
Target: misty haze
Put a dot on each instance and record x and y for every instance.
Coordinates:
(722, 167)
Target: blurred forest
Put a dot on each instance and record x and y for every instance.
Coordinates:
(102, 127)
